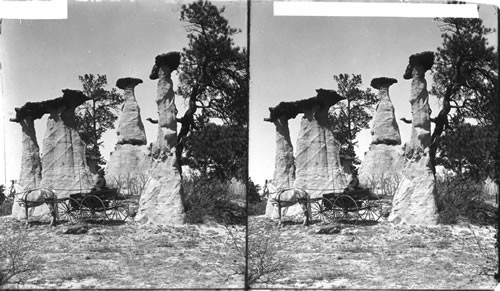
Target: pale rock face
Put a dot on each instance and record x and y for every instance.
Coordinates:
(414, 202)
(167, 111)
(318, 168)
(161, 202)
(284, 171)
(31, 167)
(128, 162)
(64, 167)
(130, 127)
(385, 127)
(382, 163)
(421, 123)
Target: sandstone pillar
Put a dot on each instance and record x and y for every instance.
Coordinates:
(161, 202)
(130, 161)
(414, 201)
(317, 163)
(31, 167)
(64, 166)
(383, 162)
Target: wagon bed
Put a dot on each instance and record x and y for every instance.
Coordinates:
(347, 206)
(95, 206)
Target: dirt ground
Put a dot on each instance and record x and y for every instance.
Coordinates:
(381, 255)
(128, 255)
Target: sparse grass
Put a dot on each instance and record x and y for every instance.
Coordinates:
(80, 274)
(16, 260)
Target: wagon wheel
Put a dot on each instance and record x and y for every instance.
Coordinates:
(345, 209)
(68, 210)
(371, 209)
(92, 208)
(117, 210)
(321, 210)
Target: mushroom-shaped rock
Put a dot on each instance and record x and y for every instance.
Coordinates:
(170, 59)
(425, 60)
(127, 83)
(382, 82)
(130, 127)
(385, 128)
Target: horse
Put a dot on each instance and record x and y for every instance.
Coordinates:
(287, 198)
(33, 198)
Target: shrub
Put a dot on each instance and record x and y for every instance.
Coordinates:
(461, 198)
(6, 207)
(15, 258)
(210, 198)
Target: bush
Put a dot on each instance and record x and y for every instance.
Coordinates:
(461, 199)
(15, 258)
(257, 208)
(210, 198)
(6, 207)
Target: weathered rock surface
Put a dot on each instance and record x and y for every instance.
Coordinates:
(128, 162)
(385, 128)
(382, 164)
(64, 167)
(318, 167)
(130, 127)
(419, 100)
(414, 202)
(161, 203)
(162, 69)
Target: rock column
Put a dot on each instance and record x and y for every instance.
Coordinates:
(64, 166)
(161, 202)
(130, 161)
(414, 201)
(318, 167)
(383, 162)
(31, 167)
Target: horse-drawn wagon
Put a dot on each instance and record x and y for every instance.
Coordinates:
(350, 205)
(97, 206)
(347, 206)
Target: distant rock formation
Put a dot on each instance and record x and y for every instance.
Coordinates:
(385, 127)
(131, 159)
(64, 166)
(383, 162)
(130, 128)
(161, 202)
(317, 163)
(414, 201)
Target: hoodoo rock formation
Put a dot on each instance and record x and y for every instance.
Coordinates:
(130, 161)
(130, 128)
(31, 167)
(384, 160)
(161, 202)
(64, 166)
(316, 166)
(317, 162)
(414, 201)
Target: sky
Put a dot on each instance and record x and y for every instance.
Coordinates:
(119, 39)
(291, 56)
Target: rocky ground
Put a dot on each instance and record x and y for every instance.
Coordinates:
(377, 255)
(127, 255)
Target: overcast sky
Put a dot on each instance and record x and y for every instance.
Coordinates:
(290, 57)
(119, 39)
